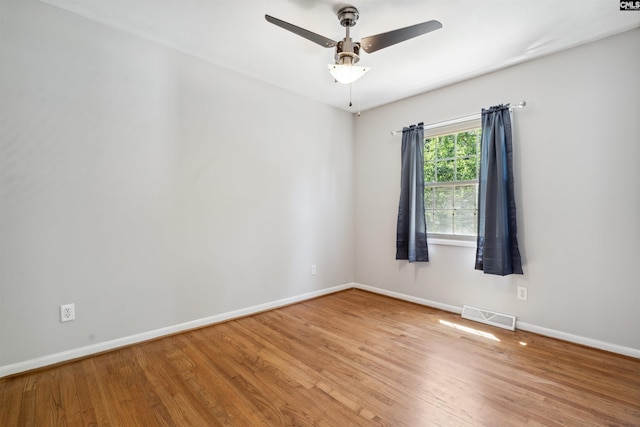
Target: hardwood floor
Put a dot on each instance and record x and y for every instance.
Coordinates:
(350, 358)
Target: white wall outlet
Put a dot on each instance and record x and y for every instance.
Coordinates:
(314, 270)
(67, 312)
(522, 293)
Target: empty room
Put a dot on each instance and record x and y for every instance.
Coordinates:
(408, 213)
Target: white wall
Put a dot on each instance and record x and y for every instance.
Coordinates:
(151, 188)
(577, 177)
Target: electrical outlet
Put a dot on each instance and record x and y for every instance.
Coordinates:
(314, 270)
(67, 312)
(522, 293)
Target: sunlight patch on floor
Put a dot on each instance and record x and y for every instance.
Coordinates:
(470, 330)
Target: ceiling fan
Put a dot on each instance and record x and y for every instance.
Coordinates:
(348, 51)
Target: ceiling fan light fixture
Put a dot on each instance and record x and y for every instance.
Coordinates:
(346, 74)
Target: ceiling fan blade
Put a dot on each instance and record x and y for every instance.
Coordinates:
(380, 41)
(316, 38)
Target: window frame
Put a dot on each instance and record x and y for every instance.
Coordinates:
(445, 238)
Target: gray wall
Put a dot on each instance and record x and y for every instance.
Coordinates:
(577, 179)
(151, 188)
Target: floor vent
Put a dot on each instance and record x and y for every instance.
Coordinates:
(500, 320)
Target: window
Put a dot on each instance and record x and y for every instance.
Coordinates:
(451, 162)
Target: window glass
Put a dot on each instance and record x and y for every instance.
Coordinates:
(451, 164)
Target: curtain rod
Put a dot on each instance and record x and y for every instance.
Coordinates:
(520, 104)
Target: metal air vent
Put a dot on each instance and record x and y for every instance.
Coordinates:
(505, 321)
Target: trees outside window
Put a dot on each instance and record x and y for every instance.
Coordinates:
(451, 164)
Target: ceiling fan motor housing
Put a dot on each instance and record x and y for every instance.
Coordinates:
(347, 52)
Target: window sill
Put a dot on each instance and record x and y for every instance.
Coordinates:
(451, 242)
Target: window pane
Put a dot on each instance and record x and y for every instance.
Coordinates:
(429, 160)
(444, 197)
(428, 197)
(429, 171)
(445, 147)
(466, 222)
(466, 144)
(429, 216)
(466, 169)
(446, 170)
(429, 149)
(443, 222)
(465, 197)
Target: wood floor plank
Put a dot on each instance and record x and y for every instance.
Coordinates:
(350, 358)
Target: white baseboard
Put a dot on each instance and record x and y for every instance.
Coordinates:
(76, 353)
(577, 339)
(410, 298)
(552, 333)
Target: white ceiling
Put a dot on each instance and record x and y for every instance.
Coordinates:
(478, 36)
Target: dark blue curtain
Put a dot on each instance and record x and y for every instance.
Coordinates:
(497, 251)
(411, 234)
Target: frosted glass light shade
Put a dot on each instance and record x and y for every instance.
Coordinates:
(346, 74)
